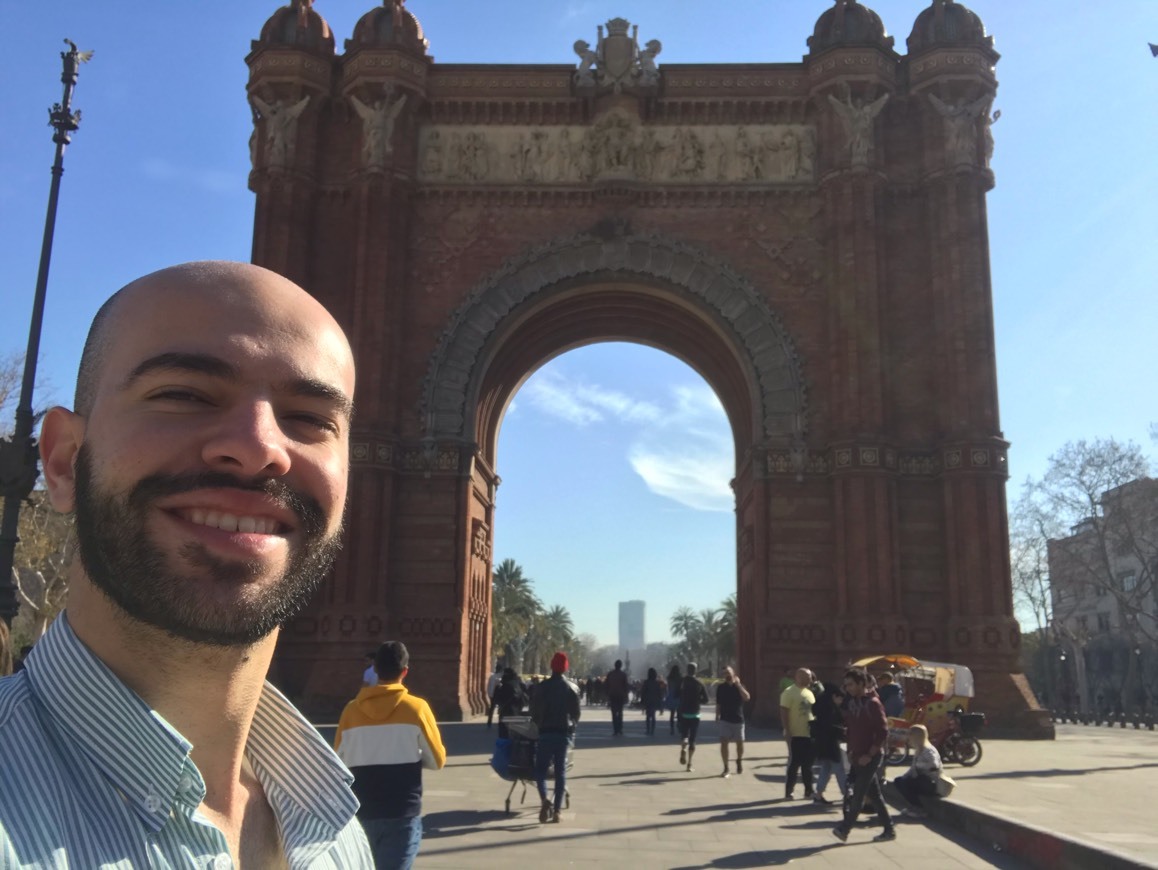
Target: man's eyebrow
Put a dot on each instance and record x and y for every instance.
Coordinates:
(315, 389)
(198, 363)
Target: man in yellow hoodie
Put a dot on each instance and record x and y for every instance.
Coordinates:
(386, 736)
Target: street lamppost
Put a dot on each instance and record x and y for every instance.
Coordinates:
(18, 468)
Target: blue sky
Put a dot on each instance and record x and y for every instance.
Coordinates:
(157, 175)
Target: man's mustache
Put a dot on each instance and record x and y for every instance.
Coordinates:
(305, 507)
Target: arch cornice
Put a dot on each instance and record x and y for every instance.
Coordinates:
(759, 337)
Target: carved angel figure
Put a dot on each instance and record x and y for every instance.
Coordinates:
(648, 71)
(961, 126)
(280, 127)
(378, 126)
(588, 59)
(857, 118)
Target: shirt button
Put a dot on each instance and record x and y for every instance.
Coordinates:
(152, 803)
(222, 862)
(185, 783)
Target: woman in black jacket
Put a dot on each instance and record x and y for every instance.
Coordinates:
(827, 737)
(510, 700)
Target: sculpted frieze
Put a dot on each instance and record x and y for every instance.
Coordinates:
(618, 147)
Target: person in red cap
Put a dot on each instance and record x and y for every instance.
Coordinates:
(555, 709)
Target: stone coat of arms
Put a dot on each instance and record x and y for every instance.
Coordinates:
(617, 60)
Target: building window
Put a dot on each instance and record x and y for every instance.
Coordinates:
(1103, 622)
(1128, 581)
(1083, 623)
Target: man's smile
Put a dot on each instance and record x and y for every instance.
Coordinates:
(228, 522)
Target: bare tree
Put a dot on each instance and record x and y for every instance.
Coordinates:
(45, 550)
(1089, 529)
(1099, 510)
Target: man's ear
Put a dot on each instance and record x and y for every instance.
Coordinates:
(61, 435)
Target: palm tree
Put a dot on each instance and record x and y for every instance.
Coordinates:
(559, 626)
(728, 623)
(551, 630)
(683, 623)
(709, 629)
(513, 607)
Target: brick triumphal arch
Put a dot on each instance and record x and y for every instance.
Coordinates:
(811, 237)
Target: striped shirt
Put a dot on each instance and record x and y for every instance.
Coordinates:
(93, 778)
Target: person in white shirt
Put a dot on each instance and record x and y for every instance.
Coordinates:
(920, 780)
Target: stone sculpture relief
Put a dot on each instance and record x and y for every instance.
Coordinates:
(378, 120)
(619, 147)
(961, 127)
(281, 127)
(856, 116)
(617, 61)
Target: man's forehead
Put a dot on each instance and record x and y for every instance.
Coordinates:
(243, 313)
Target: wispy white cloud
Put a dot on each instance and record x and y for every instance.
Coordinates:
(685, 475)
(211, 180)
(584, 404)
(689, 457)
(681, 447)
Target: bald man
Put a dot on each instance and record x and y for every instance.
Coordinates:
(206, 464)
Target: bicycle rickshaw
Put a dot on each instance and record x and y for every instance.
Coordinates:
(937, 695)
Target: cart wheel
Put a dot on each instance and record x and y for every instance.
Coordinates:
(968, 750)
(566, 800)
(508, 805)
(897, 755)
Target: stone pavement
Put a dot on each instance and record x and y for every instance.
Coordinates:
(1092, 786)
(632, 805)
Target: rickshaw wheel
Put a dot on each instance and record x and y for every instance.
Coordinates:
(967, 750)
(897, 755)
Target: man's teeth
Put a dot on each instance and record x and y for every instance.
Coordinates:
(232, 522)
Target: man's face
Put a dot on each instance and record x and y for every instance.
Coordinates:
(729, 675)
(852, 688)
(804, 678)
(210, 484)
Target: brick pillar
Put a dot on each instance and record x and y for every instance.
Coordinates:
(951, 107)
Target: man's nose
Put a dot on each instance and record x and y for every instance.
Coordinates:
(249, 440)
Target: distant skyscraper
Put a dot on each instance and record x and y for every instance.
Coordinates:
(631, 625)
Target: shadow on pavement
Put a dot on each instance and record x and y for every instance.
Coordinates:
(613, 775)
(763, 858)
(456, 823)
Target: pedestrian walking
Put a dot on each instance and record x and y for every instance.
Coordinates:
(730, 699)
(555, 710)
(827, 741)
(868, 733)
(510, 699)
(387, 736)
(616, 687)
(796, 716)
(692, 697)
(651, 695)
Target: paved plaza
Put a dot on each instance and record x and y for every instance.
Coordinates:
(633, 806)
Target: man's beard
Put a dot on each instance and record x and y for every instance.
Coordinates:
(123, 562)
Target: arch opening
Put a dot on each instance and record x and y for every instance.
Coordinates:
(616, 460)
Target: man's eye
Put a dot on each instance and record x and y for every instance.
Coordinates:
(176, 395)
(315, 421)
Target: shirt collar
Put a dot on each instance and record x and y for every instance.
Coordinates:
(147, 760)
